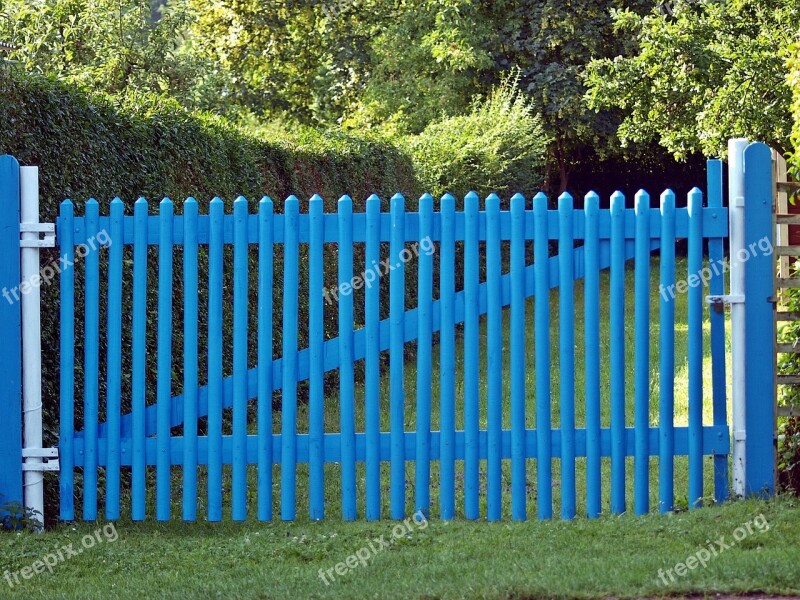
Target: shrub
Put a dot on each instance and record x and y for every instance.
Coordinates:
(499, 146)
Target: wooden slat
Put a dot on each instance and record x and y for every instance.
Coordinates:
(788, 379)
(781, 207)
(788, 186)
(788, 315)
(787, 219)
(787, 282)
(788, 348)
(788, 411)
(787, 250)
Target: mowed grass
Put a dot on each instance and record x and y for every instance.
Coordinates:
(612, 556)
(609, 557)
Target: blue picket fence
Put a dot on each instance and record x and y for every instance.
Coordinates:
(282, 256)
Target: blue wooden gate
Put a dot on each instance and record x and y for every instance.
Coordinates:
(216, 326)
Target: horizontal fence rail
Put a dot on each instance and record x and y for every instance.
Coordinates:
(235, 309)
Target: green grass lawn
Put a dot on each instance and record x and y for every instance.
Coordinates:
(613, 556)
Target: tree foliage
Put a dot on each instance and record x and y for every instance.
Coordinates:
(793, 81)
(706, 72)
(552, 41)
(112, 46)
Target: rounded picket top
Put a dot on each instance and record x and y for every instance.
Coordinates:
(471, 201)
(265, 203)
(315, 199)
(372, 198)
(695, 201)
(190, 200)
(518, 199)
(425, 201)
(641, 201)
(166, 206)
(540, 201)
(216, 201)
(10, 159)
(345, 202)
(447, 202)
(667, 201)
(398, 202)
(291, 204)
(617, 203)
(591, 203)
(492, 202)
(240, 200)
(565, 201)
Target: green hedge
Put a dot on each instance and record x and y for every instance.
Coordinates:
(94, 146)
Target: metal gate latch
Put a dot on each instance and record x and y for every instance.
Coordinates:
(719, 302)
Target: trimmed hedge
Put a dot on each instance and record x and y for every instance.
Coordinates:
(94, 146)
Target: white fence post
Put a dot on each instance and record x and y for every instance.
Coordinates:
(30, 300)
(736, 148)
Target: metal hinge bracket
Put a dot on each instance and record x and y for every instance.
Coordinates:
(48, 459)
(46, 231)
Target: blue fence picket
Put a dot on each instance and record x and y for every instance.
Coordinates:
(397, 307)
(240, 302)
(190, 359)
(66, 418)
(494, 360)
(164, 375)
(11, 362)
(716, 286)
(139, 361)
(591, 299)
(641, 479)
(289, 335)
(666, 373)
(215, 257)
(471, 354)
(114, 361)
(372, 373)
(90, 360)
(695, 342)
(566, 344)
(265, 339)
(759, 320)
(346, 371)
(316, 381)
(617, 349)
(447, 360)
(542, 339)
(518, 356)
(424, 343)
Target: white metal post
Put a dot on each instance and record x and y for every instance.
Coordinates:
(736, 148)
(33, 483)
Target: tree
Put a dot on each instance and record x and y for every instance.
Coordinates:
(425, 63)
(552, 42)
(103, 45)
(363, 63)
(704, 73)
